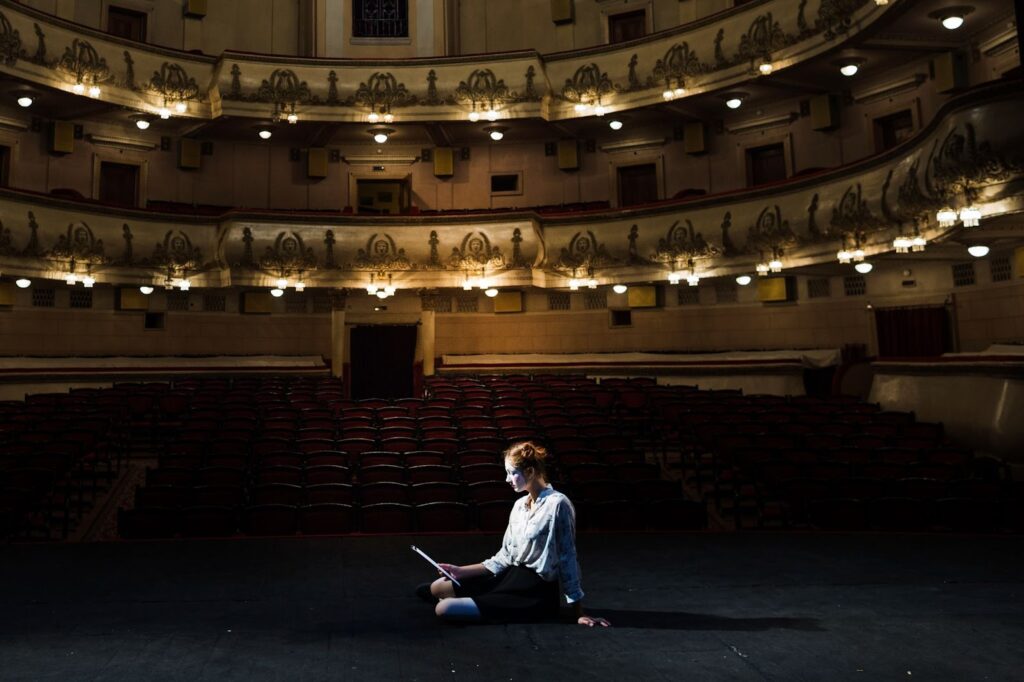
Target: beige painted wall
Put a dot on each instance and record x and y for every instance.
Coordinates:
(671, 329)
(60, 331)
(986, 313)
(991, 314)
(504, 26)
(265, 26)
(288, 27)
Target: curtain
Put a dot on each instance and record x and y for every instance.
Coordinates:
(913, 332)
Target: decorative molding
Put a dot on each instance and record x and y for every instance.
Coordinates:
(10, 41)
(120, 143)
(634, 145)
(288, 254)
(382, 255)
(762, 123)
(476, 252)
(682, 245)
(889, 89)
(379, 160)
(172, 83)
(583, 253)
(13, 124)
(998, 44)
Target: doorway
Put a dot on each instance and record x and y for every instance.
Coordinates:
(913, 332)
(382, 359)
(119, 183)
(766, 164)
(383, 197)
(627, 26)
(638, 184)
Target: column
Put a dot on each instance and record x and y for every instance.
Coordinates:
(426, 341)
(338, 333)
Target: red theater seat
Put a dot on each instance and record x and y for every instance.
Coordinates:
(271, 519)
(442, 517)
(327, 519)
(387, 517)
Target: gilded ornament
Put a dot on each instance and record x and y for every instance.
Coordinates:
(10, 41)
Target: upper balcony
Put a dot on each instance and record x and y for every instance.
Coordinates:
(966, 159)
(732, 49)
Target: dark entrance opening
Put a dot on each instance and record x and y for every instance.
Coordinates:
(907, 332)
(638, 184)
(119, 183)
(382, 361)
(766, 164)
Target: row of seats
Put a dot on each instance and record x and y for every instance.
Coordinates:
(389, 517)
(316, 472)
(185, 493)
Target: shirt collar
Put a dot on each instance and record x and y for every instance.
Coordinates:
(543, 493)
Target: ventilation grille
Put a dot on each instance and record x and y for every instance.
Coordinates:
(43, 298)
(687, 295)
(322, 303)
(443, 304)
(468, 302)
(214, 303)
(558, 300)
(819, 287)
(855, 285)
(725, 292)
(1002, 271)
(595, 299)
(177, 300)
(295, 303)
(963, 274)
(81, 298)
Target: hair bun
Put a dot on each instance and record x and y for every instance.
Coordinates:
(527, 453)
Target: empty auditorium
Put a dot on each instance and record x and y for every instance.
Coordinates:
(483, 340)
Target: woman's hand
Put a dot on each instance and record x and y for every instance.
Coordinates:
(455, 571)
(591, 621)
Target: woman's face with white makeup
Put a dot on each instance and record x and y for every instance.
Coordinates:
(514, 477)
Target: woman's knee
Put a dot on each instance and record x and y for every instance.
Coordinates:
(457, 609)
(442, 588)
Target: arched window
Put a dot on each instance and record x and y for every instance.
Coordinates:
(380, 18)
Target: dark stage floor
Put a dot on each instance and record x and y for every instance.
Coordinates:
(685, 607)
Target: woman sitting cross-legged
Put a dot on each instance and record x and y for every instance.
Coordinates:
(520, 582)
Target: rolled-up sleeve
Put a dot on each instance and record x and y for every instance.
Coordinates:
(565, 540)
(503, 559)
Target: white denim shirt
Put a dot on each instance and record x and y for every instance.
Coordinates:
(542, 537)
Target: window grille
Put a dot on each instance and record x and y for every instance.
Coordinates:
(725, 292)
(819, 287)
(214, 303)
(468, 302)
(558, 300)
(380, 18)
(855, 285)
(1002, 271)
(322, 303)
(295, 304)
(43, 298)
(443, 304)
(177, 300)
(595, 299)
(963, 274)
(81, 298)
(687, 295)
